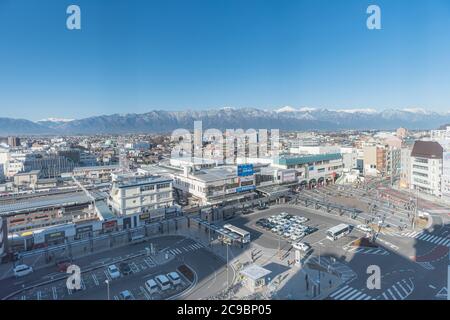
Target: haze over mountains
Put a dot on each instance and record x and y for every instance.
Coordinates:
(286, 118)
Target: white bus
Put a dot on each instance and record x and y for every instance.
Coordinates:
(245, 235)
(338, 231)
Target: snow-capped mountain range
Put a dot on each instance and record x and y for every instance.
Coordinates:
(285, 118)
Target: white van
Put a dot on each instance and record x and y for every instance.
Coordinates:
(174, 277)
(22, 270)
(163, 282)
(151, 286)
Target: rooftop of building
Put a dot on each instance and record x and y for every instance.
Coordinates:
(255, 272)
(427, 149)
(132, 180)
(51, 201)
(215, 174)
(305, 159)
(93, 168)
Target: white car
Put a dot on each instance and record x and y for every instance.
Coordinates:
(113, 271)
(295, 238)
(151, 286)
(22, 270)
(287, 235)
(174, 277)
(163, 282)
(364, 228)
(302, 246)
(126, 295)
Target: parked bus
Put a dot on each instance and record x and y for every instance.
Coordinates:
(338, 231)
(245, 235)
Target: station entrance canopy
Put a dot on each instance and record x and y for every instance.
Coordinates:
(274, 191)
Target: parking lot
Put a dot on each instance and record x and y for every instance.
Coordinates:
(176, 254)
(280, 227)
(93, 283)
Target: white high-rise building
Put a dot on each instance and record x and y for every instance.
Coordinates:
(426, 167)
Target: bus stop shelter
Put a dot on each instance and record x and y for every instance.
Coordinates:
(255, 277)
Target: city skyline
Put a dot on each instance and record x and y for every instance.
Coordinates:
(133, 57)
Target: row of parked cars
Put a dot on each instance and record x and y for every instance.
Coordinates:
(288, 226)
(161, 282)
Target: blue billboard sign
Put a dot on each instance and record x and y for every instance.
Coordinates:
(246, 188)
(244, 170)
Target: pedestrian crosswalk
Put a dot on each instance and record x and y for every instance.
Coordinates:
(349, 293)
(374, 251)
(398, 291)
(424, 236)
(333, 266)
(187, 248)
(426, 265)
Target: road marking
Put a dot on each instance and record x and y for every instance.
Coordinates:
(441, 241)
(404, 290)
(55, 293)
(83, 286)
(391, 294)
(427, 237)
(446, 242)
(108, 276)
(94, 277)
(385, 296)
(343, 293)
(398, 292)
(431, 286)
(339, 290)
(436, 240)
(149, 262)
(116, 298)
(423, 236)
(39, 295)
(134, 267)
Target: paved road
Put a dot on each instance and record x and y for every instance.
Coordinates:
(209, 269)
(413, 264)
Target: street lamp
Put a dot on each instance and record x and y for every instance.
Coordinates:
(107, 286)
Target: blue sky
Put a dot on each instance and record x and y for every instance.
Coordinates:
(135, 56)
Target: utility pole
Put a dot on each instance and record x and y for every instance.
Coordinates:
(415, 209)
(107, 287)
(228, 281)
(319, 272)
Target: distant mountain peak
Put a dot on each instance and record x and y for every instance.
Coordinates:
(366, 110)
(55, 120)
(286, 118)
(286, 109)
